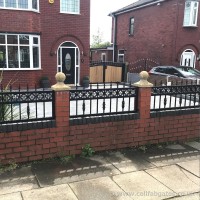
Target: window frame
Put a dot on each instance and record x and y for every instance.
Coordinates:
(192, 13)
(131, 25)
(69, 12)
(30, 46)
(103, 55)
(30, 6)
(186, 53)
(120, 54)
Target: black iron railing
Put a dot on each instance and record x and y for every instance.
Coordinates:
(103, 99)
(175, 97)
(24, 105)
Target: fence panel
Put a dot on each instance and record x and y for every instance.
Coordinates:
(26, 105)
(175, 97)
(103, 99)
(107, 72)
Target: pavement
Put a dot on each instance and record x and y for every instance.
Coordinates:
(158, 172)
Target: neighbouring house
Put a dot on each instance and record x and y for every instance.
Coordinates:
(167, 31)
(104, 54)
(40, 38)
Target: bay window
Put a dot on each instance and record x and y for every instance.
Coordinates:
(191, 13)
(20, 51)
(32, 5)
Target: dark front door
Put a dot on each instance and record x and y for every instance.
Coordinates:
(68, 64)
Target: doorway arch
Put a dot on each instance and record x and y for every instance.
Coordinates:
(188, 58)
(68, 62)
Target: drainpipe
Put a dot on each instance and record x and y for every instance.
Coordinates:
(114, 34)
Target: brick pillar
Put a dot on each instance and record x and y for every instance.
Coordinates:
(62, 105)
(144, 95)
(144, 102)
(62, 108)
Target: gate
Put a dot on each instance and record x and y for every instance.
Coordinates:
(144, 64)
(107, 72)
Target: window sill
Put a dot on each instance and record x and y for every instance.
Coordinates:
(20, 69)
(68, 13)
(18, 9)
(190, 26)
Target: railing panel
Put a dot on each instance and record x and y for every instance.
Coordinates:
(26, 105)
(175, 97)
(103, 99)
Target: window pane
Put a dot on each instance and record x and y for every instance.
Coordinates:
(34, 4)
(131, 26)
(11, 3)
(70, 6)
(77, 56)
(68, 44)
(1, 3)
(12, 39)
(23, 39)
(59, 56)
(24, 57)
(35, 57)
(35, 40)
(2, 56)
(194, 20)
(13, 57)
(2, 39)
(23, 4)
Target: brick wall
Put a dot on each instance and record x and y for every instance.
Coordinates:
(66, 139)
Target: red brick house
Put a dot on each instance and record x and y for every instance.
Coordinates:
(167, 31)
(40, 38)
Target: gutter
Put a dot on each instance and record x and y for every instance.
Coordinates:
(135, 8)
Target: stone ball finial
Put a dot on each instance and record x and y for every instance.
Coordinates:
(60, 77)
(144, 75)
(60, 85)
(143, 80)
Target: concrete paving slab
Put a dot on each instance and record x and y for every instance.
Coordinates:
(54, 173)
(176, 178)
(195, 196)
(170, 158)
(13, 196)
(60, 192)
(128, 161)
(140, 185)
(175, 147)
(100, 188)
(192, 166)
(17, 180)
(194, 144)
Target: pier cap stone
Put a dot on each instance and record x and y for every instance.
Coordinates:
(143, 80)
(60, 85)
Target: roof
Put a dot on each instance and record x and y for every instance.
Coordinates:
(135, 5)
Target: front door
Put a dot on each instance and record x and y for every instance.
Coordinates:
(68, 64)
(188, 59)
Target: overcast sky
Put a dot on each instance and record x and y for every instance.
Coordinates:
(99, 16)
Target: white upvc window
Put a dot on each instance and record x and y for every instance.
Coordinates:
(70, 6)
(191, 13)
(103, 57)
(29, 5)
(131, 26)
(19, 52)
(121, 55)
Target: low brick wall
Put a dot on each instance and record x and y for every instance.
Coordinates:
(66, 138)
